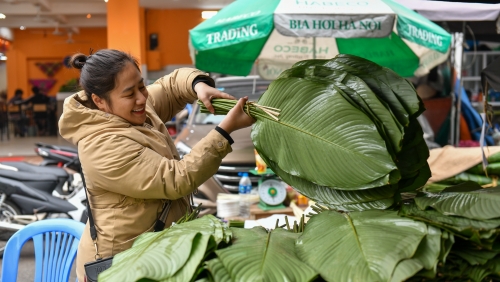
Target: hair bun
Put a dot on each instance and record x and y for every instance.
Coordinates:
(78, 60)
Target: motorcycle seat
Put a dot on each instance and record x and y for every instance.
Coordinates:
(27, 167)
(57, 147)
(28, 176)
(29, 198)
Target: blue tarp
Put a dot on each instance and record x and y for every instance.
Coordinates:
(472, 117)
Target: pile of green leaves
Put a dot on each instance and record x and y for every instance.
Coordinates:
(347, 135)
(471, 216)
(451, 235)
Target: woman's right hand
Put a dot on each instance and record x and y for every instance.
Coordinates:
(237, 118)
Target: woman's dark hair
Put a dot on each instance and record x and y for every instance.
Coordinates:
(18, 92)
(99, 71)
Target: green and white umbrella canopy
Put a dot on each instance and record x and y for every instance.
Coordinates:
(276, 34)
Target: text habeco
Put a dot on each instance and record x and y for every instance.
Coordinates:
(232, 33)
(336, 24)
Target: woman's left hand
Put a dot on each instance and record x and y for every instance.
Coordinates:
(206, 93)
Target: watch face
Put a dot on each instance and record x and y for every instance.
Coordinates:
(272, 192)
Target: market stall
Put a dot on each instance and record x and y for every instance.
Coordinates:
(477, 21)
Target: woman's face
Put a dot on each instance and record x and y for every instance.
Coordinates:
(128, 98)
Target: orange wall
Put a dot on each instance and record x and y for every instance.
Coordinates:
(142, 20)
(124, 27)
(172, 27)
(17, 75)
(40, 45)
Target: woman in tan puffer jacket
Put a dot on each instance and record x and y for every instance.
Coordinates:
(129, 161)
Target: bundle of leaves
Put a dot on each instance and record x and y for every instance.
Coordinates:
(485, 176)
(471, 215)
(371, 245)
(175, 254)
(343, 132)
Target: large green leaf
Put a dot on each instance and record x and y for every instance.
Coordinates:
(397, 92)
(375, 198)
(377, 204)
(359, 246)
(361, 96)
(426, 257)
(157, 260)
(404, 89)
(406, 269)
(459, 225)
(434, 187)
(463, 177)
(412, 184)
(479, 204)
(205, 244)
(217, 270)
(447, 241)
(477, 273)
(414, 153)
(429, 249)
(475, 256)
(458, 269)
(348, 150)
(162, 255)
(494, 265)
(258, 255)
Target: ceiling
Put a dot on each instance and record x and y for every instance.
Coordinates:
(72, 14)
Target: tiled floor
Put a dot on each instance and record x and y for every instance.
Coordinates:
(17, 146)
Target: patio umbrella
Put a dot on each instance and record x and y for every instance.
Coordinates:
(276, 34)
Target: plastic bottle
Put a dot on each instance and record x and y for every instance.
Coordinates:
(245, 189)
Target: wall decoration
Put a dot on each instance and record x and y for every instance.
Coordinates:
(49, 68)
(43, 84)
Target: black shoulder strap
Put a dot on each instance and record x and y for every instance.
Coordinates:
(93, 233)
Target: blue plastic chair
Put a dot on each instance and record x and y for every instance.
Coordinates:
(55, 241)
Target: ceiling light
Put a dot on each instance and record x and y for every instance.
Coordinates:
(208, 14)
(2, 16)
(89, 16)
(106, 1)
(22, 27)
(3, 58)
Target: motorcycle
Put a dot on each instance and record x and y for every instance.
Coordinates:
(54, 155)
(29, 193)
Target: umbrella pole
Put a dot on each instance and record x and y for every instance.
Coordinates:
(451, 137)
(457, 100)
(314, 47)
(461, 62)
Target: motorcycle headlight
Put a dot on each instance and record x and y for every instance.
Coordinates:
(183, 149)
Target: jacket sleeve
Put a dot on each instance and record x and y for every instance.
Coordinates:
(144, 174)
(170, 94)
